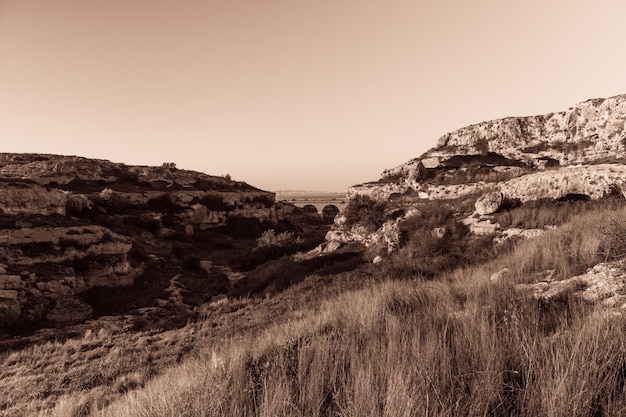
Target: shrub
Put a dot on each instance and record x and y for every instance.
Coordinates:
(365, 211)
(269, 238)
(425, 253)
(329, 212)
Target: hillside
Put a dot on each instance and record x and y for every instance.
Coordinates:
(499, 165)
(84, 238)
(486, 277)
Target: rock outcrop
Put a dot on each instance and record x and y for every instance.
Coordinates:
(604, 283)
(574, 154)
(72, 228)
(31, 199)
(49, 269)
(589, 131)
(489, 203)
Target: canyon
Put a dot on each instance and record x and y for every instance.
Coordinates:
(74, 232)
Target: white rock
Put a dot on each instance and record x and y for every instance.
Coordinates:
(500, 275)
(489, 203)
(605, 283)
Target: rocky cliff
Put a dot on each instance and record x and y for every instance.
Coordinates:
(73, 230)
(589, 131)
(577, 153)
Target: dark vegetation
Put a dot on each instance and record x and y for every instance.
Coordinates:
(164, 246)
(263, 200)
(34, 220)
(366, 212)
(276, 275)
(434, 242)
(234, 244)
(329, 212)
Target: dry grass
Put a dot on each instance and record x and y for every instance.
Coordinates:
(539, 214)
(101, 365)
(404, 349)
(456, 346)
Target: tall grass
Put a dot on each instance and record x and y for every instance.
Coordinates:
(457, 346)
(403, 349)
(542, 213)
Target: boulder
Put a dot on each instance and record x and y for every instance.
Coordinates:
(9, 295)
(489, 203)
(501, 275)
(604, 283)
(587, 131)
(331, 246)
(78, 203)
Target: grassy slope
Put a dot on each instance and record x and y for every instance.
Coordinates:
(375, 346)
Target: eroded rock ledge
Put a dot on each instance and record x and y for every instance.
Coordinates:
(47, 270)
(69, 226)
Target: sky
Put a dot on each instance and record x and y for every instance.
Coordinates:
(291, 94)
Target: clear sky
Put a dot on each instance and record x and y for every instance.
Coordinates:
(291, 94)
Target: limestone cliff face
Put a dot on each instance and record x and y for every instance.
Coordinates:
(589, 131)
(71, 227)
(47, 270)
(580, 151)
(31, 199)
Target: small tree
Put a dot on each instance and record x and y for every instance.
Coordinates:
(269, 239)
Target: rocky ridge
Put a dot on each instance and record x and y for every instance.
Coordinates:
(70, 227)
(573, 154)
(589, 133)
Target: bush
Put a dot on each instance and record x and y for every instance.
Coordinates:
(435, 241)
(269, 238)
(163, 203)
(365, 211)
